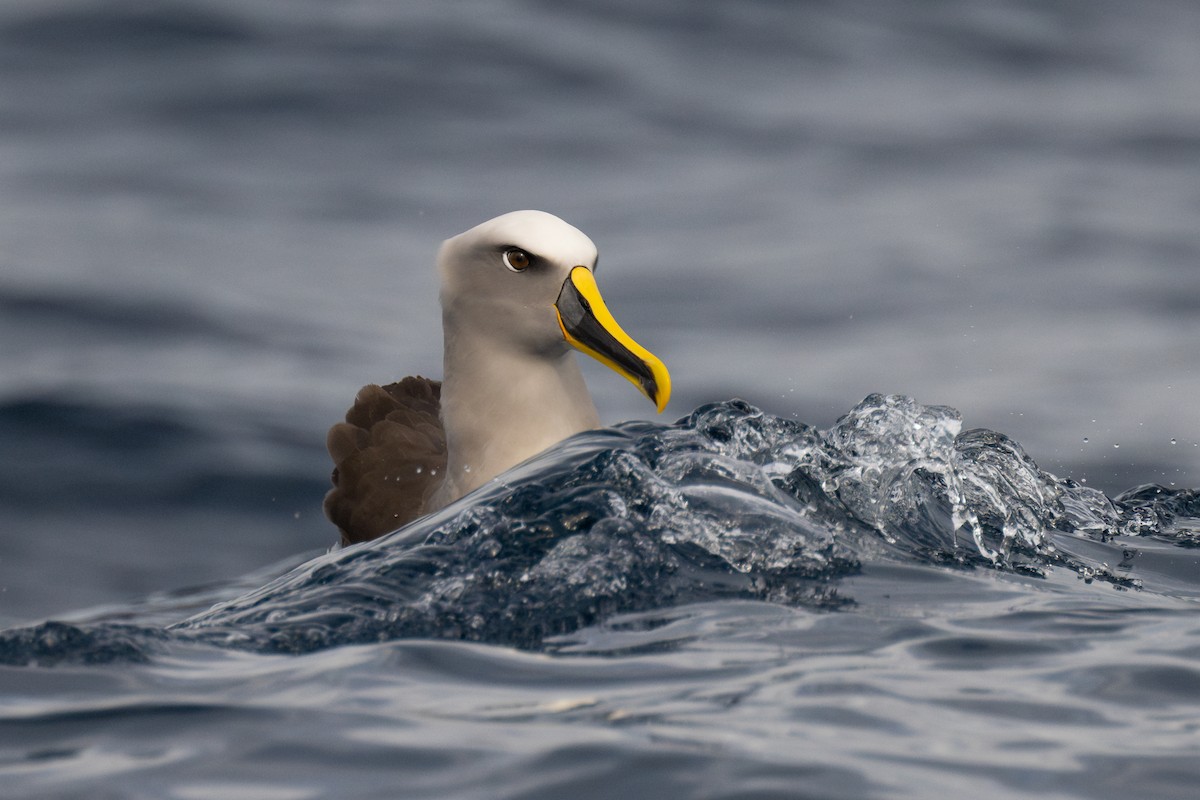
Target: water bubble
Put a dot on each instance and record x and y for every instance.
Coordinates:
(1116, 446)
(1085, 439)
(1174, 442)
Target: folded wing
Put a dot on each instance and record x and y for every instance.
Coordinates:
(389, 456)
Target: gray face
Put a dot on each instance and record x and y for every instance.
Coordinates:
(521, 285)
(503, 277)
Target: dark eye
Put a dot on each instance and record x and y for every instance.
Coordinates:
(516, 260)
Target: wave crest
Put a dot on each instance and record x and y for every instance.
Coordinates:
(727, 503)
(730, 502)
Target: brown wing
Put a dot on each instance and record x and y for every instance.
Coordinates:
(389, 456)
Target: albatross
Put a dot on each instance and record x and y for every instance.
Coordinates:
(518, 296)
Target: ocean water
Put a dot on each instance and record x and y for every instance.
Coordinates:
(218, 219)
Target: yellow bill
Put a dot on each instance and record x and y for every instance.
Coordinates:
(587, 324)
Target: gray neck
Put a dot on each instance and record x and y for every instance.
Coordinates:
(500, 407)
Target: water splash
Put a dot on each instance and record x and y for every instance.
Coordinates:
(730, 502)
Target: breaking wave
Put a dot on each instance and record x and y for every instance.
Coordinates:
(728, 503)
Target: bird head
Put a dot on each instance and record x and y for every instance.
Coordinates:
(528, 277)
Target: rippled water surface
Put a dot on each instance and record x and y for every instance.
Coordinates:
(736, 605)
(217, 220)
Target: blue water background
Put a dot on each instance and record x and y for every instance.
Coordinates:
(217, 220)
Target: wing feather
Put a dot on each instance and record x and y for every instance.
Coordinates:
(389, 457)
